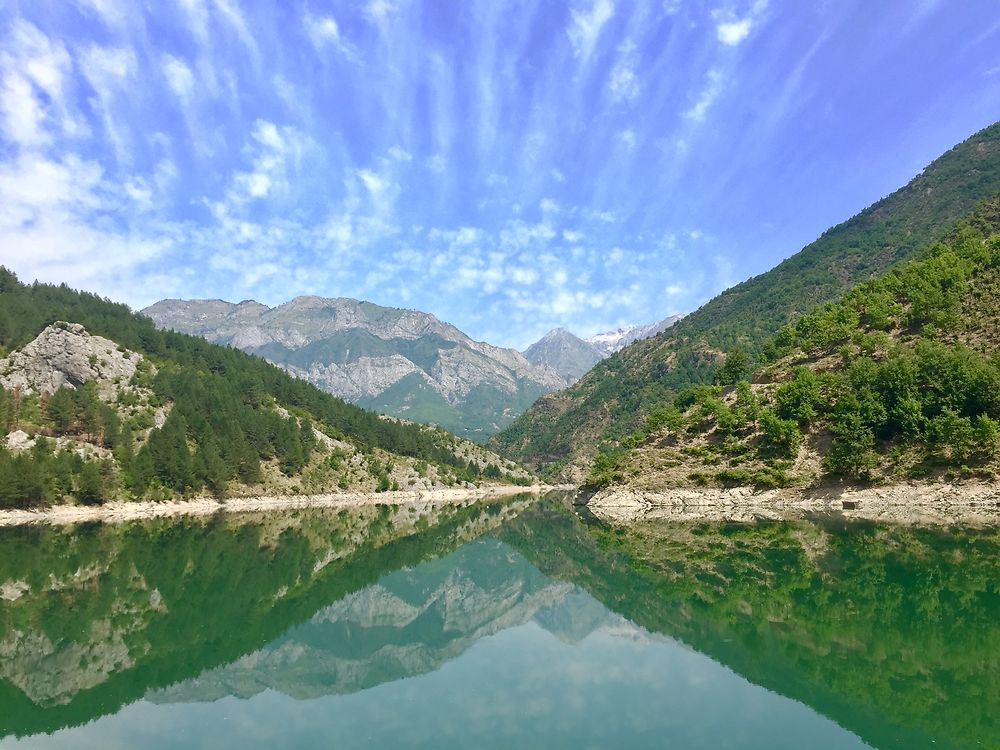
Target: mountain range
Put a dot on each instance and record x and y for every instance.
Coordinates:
(404, 363)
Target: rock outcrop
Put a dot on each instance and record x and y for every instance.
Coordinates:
(65, 355)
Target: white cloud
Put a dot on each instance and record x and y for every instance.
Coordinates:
(628, 139)
(197, 14)
(380, 12)
(623, 83)
(230, 10)
(48, 228)
(671, 7)
(322, 30)
(110, 11)
(585, 26)
(178, 75)
(572, 236)
(733, 32)
(731, 29)
(325, 31)
(33, 64)
(22, 112)
(437, 164)
(713, 88)
(105, 67)
(109, 70)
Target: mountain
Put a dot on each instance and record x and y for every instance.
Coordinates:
(400, 362)
(572, 357)
(899, 379)
(567, 354)
(563, 431)
(161, 414)
(612, 341)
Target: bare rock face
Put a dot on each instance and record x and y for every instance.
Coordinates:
(65, 355)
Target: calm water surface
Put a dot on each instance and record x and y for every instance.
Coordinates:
(515, 624)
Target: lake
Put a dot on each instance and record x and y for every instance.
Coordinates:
(509, 623)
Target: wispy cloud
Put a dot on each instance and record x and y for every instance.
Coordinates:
(732, 29)
(586, 24)
(714, 85)
(509, 166)
(178, 75)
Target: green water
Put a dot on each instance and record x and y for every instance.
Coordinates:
(513, 624)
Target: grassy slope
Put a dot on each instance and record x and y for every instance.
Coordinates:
(566, 428)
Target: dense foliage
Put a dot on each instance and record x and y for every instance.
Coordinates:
(616, 396)
(222, 423)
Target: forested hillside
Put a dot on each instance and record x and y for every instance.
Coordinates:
(563, 431)
(897, 380)
(225, 419)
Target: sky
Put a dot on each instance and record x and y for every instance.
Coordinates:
(508, 165)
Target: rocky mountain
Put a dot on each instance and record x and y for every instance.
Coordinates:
(66, 355)
(563, 430)
(399, 362)
(571, 356)
(567, 354)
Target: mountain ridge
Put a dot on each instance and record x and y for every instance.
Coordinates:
(362, 352)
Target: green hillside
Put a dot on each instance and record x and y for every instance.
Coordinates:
(563, 431)
(229, 420)
(897, 380)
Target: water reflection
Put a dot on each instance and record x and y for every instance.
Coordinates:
(496, 625)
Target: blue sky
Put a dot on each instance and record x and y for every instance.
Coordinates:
(508, 166)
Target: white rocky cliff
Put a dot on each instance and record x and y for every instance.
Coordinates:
(65, 355)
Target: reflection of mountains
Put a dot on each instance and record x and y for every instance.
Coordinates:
(409, 623)
(94, 617)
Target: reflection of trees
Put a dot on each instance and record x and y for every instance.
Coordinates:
(113, 611)
(891, 631)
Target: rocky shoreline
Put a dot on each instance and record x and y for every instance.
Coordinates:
(911, 503)
(117, 512)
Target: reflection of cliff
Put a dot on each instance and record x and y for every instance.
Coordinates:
(891, 631)
(92, 617)
(409, 623)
